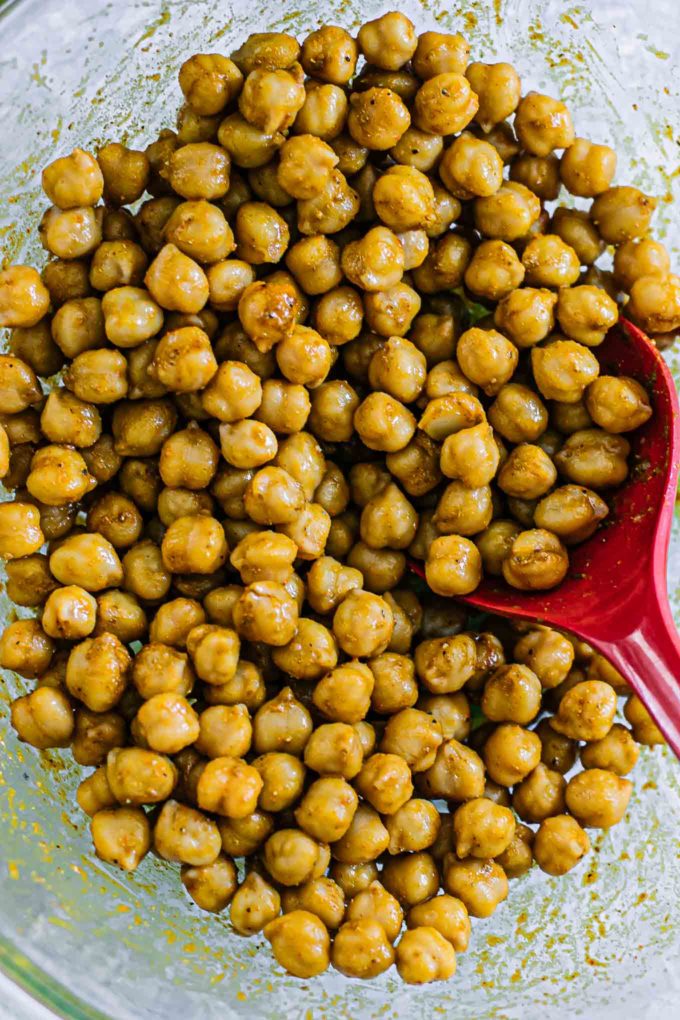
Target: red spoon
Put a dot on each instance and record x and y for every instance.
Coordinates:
(615, 595)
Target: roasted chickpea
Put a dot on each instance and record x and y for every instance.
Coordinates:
(254, 905)
(300, 943)
(618, 404)
(372, 635)
(645, 730)
(592, 457)
(560, 844)
(323, 113)
(377, 118)
(327, 809)
(509, 213)
(511, 753)
(411, 878)
(43, 718)
(536, 560)
(453, 565)
(482, 828)
(586, 712)
(68, 234)
(494, 271)
(121, 836)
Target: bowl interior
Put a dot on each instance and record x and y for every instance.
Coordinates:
(93, 943)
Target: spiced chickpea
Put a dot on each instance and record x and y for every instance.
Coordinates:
(508, 214)
(323, 113)
(586, 712)
(121, 836)
(494, 270)
(446, 915)
(372, 635)
(68, 234)
(645, 730)
(326, 810)
(622, 214)
(377, 118)
(592, 457)
(453, 565)
(20, 530)
(558, 752)
(511, 753)
(320, 896)
(549, 654)
(618, 404)
(457, 773)
(498, 89)
(576, 230)
(35, 347)
(560, 844)
(482, 828)
(44, 718)
(329, 54)
(411, 878)
(344, 694)
(617, 752)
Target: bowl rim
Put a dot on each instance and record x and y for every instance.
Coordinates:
(23, 972)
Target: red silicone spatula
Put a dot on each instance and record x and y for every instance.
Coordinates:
(615, 594)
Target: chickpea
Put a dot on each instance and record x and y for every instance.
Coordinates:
(549, 654)
(560, 844)
(334, 749)
(209, 82)
(138, 776)
(282, 724)
(98, 376)
(543, 124)
(167, 723)
(540, 795)
(576, 230)
(323, 113)
(354, 878)
(300, 943)
(211, 886)
(645, 730)
(68, 234)
(413, 735)
(480, 884)
(493, 272)
(655, 303)
(248, 146)
(377, 118)
(322, 897)
(228, 786)
(372, 635)
(20, 530)
(43, 718)
(586, 314)
(34, 346)
(618, 404)
(445, 664)
(241, 837)
(227, 281)
(587, 169)
(617, 752)
(94, 793)
(89, 561)
(411, 878)
(121, 836)
(125, 173)
(404, 198)
(159, 669)
(327, 809)
(254, 905)
(591, 457)
(586, 712)
(66, 280)
(635, 259)
(29, 581)
(73, 180)
(344, 694)
(511, 753)
(508, 214)
(537, 560)
(457, 773)
(194, 545)
(291, 857)
(526, 315)
(131, 316)
(444, 104)
(453, 566)
(264, 556)
(69, 613)
(512, 694)
(184, 834)
(482, 829)
(622, 214)
(471, 168)
(177, 282)
(338, 315)
(549, 262)
(558, 752)
(270, 99)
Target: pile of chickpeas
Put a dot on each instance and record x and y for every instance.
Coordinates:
(269, 385)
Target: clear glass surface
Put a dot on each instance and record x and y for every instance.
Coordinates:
(91, 943)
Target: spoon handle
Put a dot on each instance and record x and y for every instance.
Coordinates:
(649, 658)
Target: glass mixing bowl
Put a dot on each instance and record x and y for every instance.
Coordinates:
(89, 942)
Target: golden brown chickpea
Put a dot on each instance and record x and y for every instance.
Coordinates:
(209, 82)
(452, 713)
(248, 146)
(354, 878)
(329, 54)
(509, 213)
(121, 836)
(73, 180)
(20, 530)
(377, 118)
(334, 749)
(214, 651)
(264, 556)
(29, 581)
(618, 404)
(645, 730)
(254, 905)
(375, 262)
(498, 89)
(70, 612)
(413, 827)
(543, 124)
(549, 262)
(447, 915)
(283, 776)
(540, 795)
(655, 303)
(211, 886)
(363, 624)
(228, 786)
(424, 955)
(411, 878)
(634, 259)
(139, 776)
(167, 723)
(453, 566)
(385, 782)
(482, 828)
(576, 230)
(183, 360)
(389, 41)
(227, 281)
(457, 773)
(66, 280)
(480, 884)
(445, 664)
(87, 560)
(622, 214)
(34, 346)
(176, 282)
(44, 718)
(486, 358)
(67, 419)
(548, 653)
(538, 173)
(512, 694)
(96, 734)
(558, 752)
(19, 387)
(282, 724)
(327, 809)
(270, 99)
(471, 168)
(79, 325)
(131, 316)
(592, 457)
(444, 104)
(586, 712)
(98, 376)
(418, 149)
(560, 844)
(384, 423)
(68, 234)
(413, 735)
(404, 198)
(586, 313)
(94, 793)
(526, 315)
(587, 169)
(617, 752)
(361, 948)
(291, 857)
(125, 172)
(200, 230)
(157, 668)
(495, 271)
(511, 753)
(186, 835)
(344, 694)
(300, 943)
(225, 731)
(388, 520)
(118, 264)
(338, 315)
(320, 896)
(375, 903)
(194, 545)
(144, 572)
(270, 50)
(97, 672)
(199, 170)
